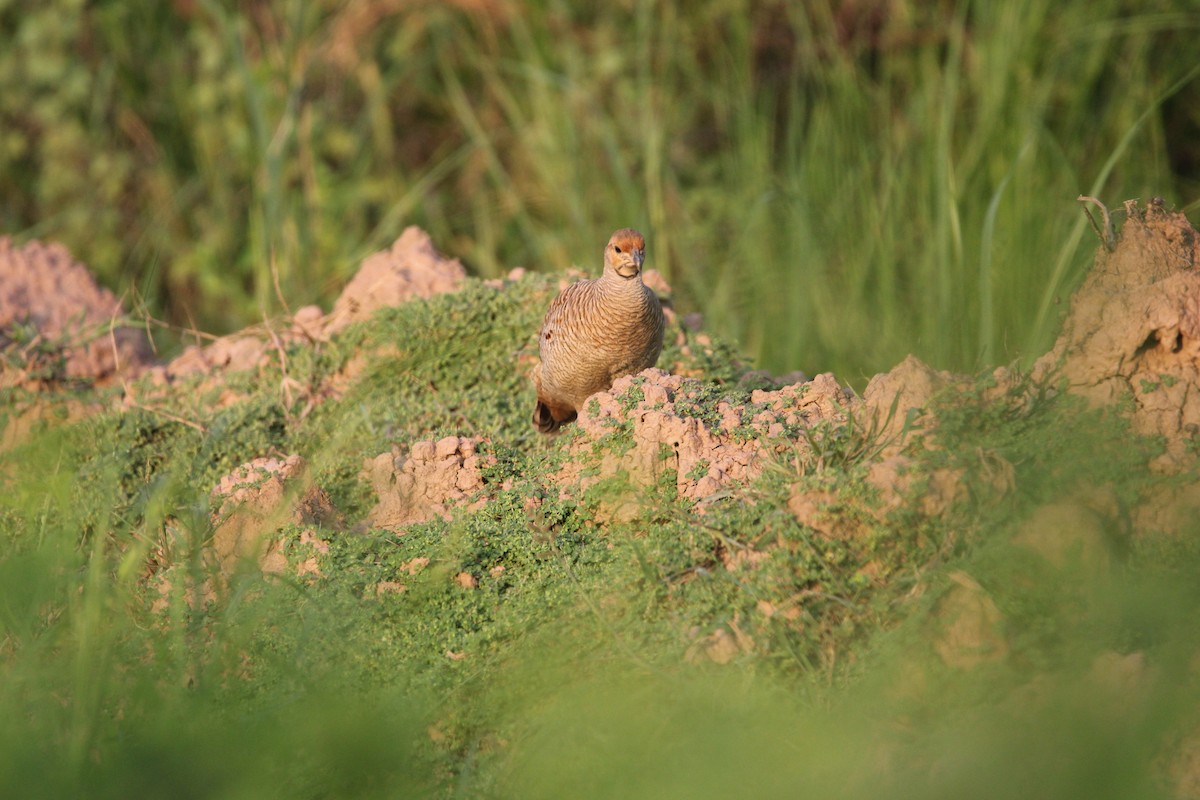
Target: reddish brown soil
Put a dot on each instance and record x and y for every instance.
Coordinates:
(45, 290)
(1133, 330)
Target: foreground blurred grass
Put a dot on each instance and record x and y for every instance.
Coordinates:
(835, 185)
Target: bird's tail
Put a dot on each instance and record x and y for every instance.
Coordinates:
(545, 420)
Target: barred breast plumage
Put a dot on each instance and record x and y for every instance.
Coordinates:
(595, 331)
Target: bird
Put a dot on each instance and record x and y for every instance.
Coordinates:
(596, 331)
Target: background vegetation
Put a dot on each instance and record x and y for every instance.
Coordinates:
(834, 184)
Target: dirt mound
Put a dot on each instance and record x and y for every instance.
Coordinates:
(48, 298)
(898, 400)
(654, 425)
(431, 480)
(675, 424)
(410, 268)
(1134, 329)
(58, 323)
(251, 504)
(257, 498)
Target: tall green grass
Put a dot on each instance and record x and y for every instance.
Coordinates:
(858, 201)
(833, 187)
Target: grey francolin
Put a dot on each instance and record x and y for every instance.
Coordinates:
(595, 331)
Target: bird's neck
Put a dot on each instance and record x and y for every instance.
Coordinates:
(614, 282)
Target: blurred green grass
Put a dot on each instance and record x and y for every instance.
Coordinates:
(833, 184)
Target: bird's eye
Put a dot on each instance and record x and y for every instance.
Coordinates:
(617, 247)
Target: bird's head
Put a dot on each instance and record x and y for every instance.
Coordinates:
(625, 252)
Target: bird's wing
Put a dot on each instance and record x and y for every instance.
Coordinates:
(561, 306)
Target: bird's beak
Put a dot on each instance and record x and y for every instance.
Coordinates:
(638, 258)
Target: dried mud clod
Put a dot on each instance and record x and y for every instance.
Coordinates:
(1133, 330)
(899, 400)
(1080, 530)
(52, 307)
(250, 504)
(967, 626)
